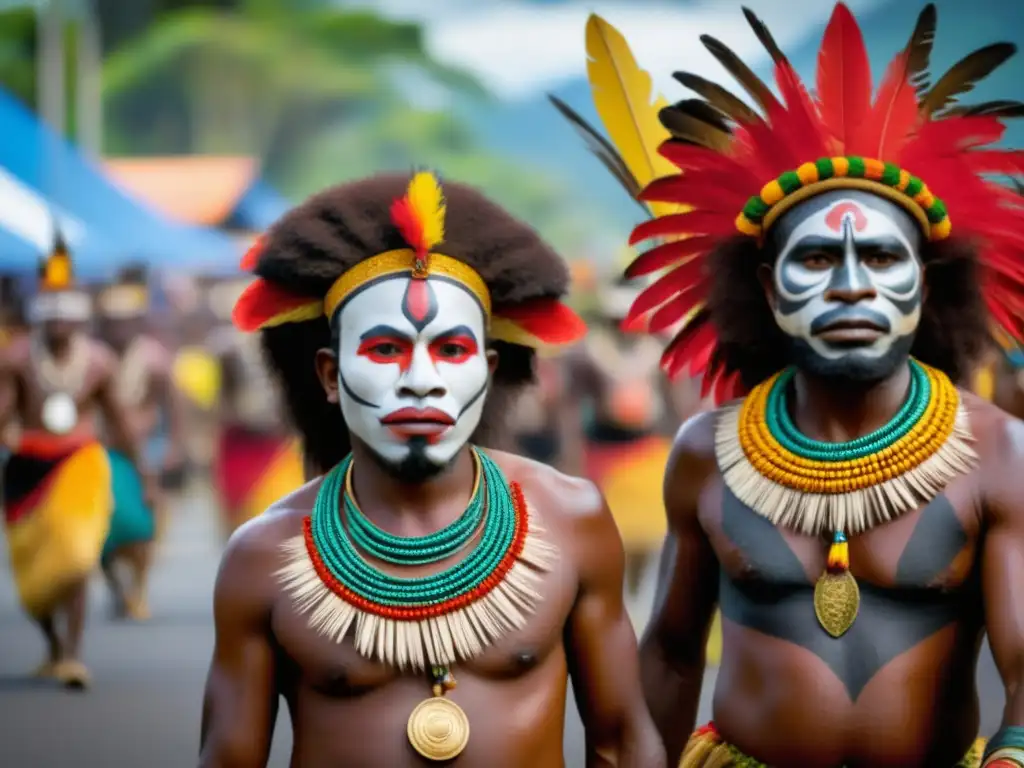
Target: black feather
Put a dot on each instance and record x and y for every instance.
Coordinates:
(964, 75)
(1001, 108)
(764, 36)
(697, 122)
(601, 148)
(919, 48)
(751, 83)
(718, 97)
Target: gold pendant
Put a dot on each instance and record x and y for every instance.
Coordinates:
(836, 601)
(438, 729)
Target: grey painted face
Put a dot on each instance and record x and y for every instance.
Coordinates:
(847, 283)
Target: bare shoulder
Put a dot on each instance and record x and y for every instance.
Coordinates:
(253, 553)
(15, 355)
(158, 356)
(555, 493)
(998, 436)
(103, 356)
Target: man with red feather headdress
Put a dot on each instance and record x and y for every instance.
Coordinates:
(838, 260)
(400, 317)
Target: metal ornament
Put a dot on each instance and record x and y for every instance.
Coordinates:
(59, 414)
(836, 602)
(438, 729)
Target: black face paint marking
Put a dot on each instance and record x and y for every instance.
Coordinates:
(385, 331)
(480, 393)
(937, 539)
(458, 330)
(419, 305)
(353, 395)
(846, 312)
(779, 600)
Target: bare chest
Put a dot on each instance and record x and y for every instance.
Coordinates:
(916, 575)
(336, 669)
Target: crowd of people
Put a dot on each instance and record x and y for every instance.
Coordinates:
(440, 483)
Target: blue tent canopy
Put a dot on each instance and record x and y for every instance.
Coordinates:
(259, 207)
(45, 162)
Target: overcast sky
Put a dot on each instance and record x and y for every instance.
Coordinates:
(520, 48)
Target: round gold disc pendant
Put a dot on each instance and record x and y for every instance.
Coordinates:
(836, 601)
(438, 729)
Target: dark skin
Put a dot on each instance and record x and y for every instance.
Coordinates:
(21, 402)
(160, 396)
(897, 690)
(347, 710)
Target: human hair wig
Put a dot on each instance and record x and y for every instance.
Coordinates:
(953, 333)
(312, 245)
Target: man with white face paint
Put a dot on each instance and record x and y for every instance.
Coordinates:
(54, 383)
(420, 560)
(857, 518)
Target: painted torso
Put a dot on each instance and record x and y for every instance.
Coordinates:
(897, 690)
(514, 692)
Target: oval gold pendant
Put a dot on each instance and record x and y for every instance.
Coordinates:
(438, 729)
(836, 601)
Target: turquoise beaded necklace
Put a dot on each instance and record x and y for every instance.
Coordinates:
(420, 550)
(785, 431)
(339, 553)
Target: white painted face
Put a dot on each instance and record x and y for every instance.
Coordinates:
(848, 279)
(67, 306)
(412, 368)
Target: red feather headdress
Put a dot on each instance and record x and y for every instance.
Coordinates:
(909, 141)
(419, 216)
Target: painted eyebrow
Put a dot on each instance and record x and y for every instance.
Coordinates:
(385, 330)
(817, 242)
(458, 330)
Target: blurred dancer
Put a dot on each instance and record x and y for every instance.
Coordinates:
(627, 412)
(12, 315)
(154, 409)
(257, 459)
(57, 480)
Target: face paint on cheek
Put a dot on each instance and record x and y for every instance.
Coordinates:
(849, 261)
(413, 373)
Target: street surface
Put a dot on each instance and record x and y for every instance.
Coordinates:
(144, 708)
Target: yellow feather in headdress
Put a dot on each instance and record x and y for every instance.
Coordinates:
(426, 203)
(622, 96)
(56, 273)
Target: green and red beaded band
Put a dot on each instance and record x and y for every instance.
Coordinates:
(809, 179)
(421, 612)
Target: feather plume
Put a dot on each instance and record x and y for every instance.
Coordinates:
(843, 77)
(718, 97)
(622, 96)
(427, 201)
(764, 36)
(667, 254)
(919, 49)
(743, 74)
(893, 114)
(964, 75)
(698, 122)
(600, 147)
(1004, 109)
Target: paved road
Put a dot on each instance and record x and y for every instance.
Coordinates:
(143, 711)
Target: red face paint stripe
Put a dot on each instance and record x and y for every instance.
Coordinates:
(418, 613)
(371, 349)
(416, 303)
(469, 349)
(834, 218)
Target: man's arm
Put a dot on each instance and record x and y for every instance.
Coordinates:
(602, 650)
(1002, 577)
(8, 395)
(673, 648)
(240, 702)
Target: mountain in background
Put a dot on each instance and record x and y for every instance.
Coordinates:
(533, 131)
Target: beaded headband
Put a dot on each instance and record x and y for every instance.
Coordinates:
(884, 179)
(420, 218)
